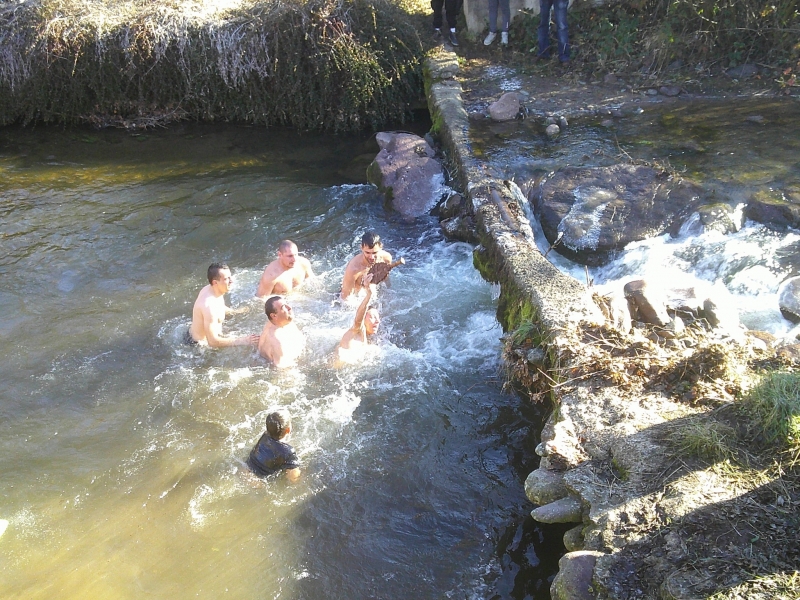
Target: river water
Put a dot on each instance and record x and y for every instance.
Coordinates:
(122, 451)
(733, 148)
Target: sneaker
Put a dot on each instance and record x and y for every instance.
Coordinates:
(490, 38)
(437, 34)
(453, 38)
(504, 38)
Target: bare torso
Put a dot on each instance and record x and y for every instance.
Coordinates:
(208, 313)
(355, 271)
(281, 346)
(277, 280)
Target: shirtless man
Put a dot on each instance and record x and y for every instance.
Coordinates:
(355, 341)
(281, 341)
(284, 273)
(371, 252)
(209, 312)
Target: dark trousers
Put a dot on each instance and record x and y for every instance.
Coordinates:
(451, 7)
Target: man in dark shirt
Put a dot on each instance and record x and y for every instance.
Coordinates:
(270, 454)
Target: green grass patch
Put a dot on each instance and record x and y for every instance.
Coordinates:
(773, 405)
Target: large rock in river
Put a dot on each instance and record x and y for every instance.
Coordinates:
(778, 209)
(789, 299)
(406, 171)
(600, 210)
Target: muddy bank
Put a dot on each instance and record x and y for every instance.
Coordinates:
(646, 523)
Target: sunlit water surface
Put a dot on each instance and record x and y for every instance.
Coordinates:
(733, 149)
(121, 450)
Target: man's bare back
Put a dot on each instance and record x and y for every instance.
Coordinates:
(209, 312)
(285, 273)
(281, 341)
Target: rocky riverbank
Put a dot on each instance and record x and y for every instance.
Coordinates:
(652, 519)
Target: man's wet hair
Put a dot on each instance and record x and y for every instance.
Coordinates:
(285, 245)
(277, 423)
(214, 269)
(371, 239)
(269, 305)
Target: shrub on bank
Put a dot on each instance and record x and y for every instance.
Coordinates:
(656, 33)
(323, 64)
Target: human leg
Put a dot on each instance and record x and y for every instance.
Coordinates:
(505, 12)
(437, 6)
(560, 10)
(493, 15)
(451, 9)
(544, 28)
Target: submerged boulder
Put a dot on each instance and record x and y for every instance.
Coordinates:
(775, 208)
(602, 209)
(406, 171)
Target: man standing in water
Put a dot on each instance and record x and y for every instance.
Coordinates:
(371, 252)
(284, 273)
(281, 342)
(355, 341)
(209, 312)
(272, 454)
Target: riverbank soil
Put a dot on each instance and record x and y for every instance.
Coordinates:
(712, 510)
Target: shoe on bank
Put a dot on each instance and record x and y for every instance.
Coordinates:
(504, 38)
(490, 38)
(437, 35)
(453, 38)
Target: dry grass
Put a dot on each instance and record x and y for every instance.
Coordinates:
(321, 64)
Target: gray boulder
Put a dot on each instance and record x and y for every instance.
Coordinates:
(789, 299)
(719, 217)
(406, 172)
(775, 208)
(600, 210)
(646, 305)
(566, 510)
(574, 578)
(745, 71)
(506, 108)
(544, 486)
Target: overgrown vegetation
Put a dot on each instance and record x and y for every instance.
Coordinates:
(774, 407)
(322, 64)
(653, 35)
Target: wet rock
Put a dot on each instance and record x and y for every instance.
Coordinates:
(406, 172)
(774, 209)
(565, 510)
(543, 486)
(460, 228)
(574, 578)
(742, 71)
(652, 92)
(669, 90)
(506, 108)
(552, 131)
(599, 210)
(789, 299)
(756, 119)
(646, 305)
(476, 115)
(610, 79)
(451, 207)
(562, 122)
(607, 123)
(719, 217)
(573, 539)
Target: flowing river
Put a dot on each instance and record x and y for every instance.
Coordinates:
(122, 450)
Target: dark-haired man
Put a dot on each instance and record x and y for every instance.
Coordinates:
(272, 454)
(209, 312)
(284, 273)
(371, 252)
(281, 342)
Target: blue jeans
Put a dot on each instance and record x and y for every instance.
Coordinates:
(560, 11)
(505, 9)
